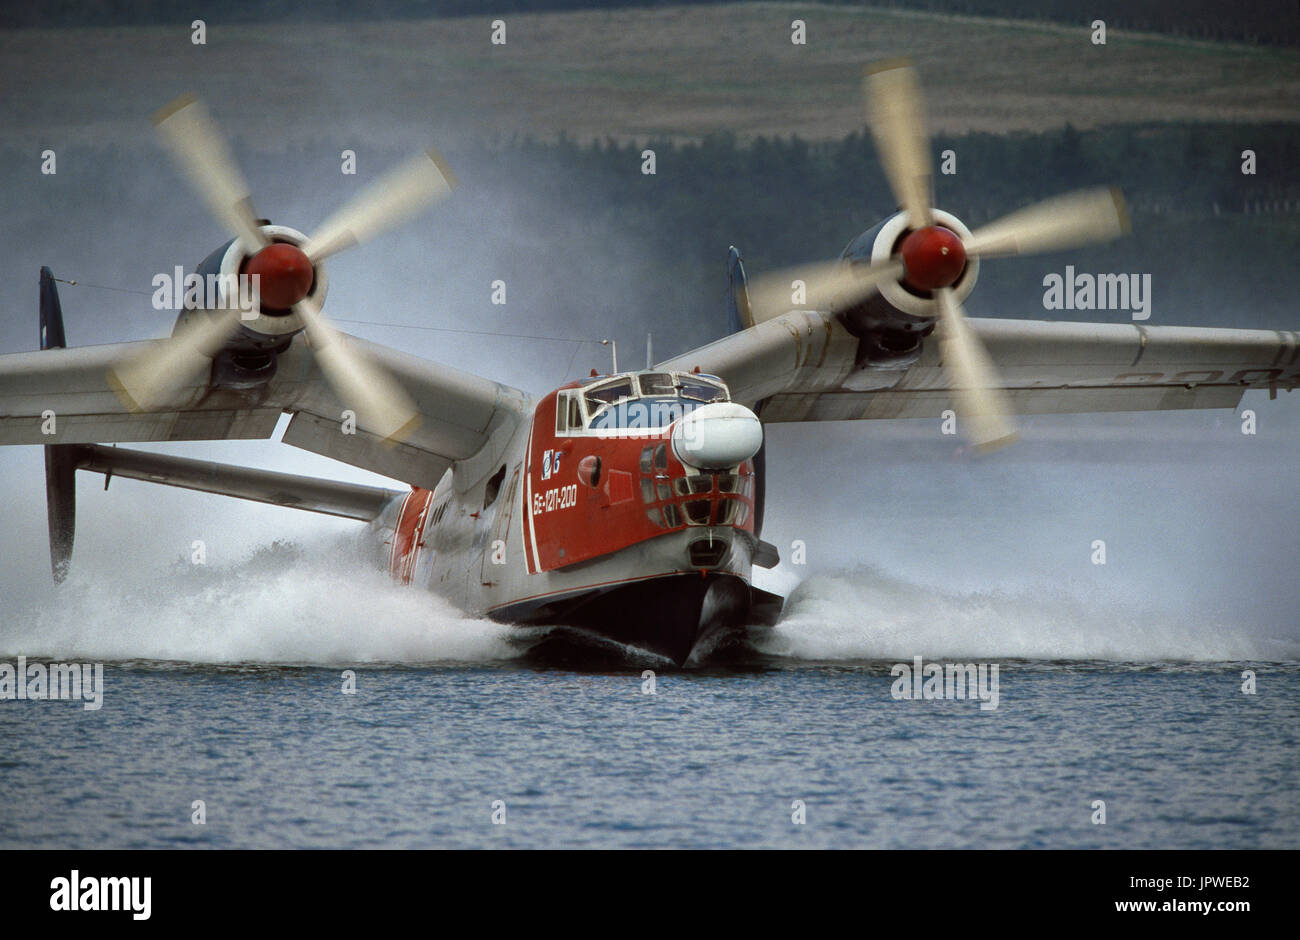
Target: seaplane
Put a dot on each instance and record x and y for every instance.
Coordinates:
(627, 504)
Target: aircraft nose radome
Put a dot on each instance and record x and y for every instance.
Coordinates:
(716, 436)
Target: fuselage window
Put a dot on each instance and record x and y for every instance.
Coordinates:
(697, 511)
(728, 509)
(493, 487)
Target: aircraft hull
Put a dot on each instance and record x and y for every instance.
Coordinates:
(496, 549)
(666, 615)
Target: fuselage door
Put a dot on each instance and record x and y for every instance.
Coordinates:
(496, 554)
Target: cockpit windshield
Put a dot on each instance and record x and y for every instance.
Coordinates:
(648, 400)
(657, 383)
(693, 390)
(609, 393)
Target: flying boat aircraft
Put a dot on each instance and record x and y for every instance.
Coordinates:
(627, 504)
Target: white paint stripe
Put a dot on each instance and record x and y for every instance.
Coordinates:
(531, 556)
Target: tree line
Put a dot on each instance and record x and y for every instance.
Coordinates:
(1266, 22)
(612, 247)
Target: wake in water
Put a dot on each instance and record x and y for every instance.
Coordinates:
(326, 605)
(866, 614)
(282, 604)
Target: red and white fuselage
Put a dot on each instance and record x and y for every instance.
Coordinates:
(626, 506)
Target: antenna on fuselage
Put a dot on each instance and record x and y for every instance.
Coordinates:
(613, 344)
(649, 351)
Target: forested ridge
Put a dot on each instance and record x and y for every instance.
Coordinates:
(1267, 22)
(1182, 170)
(579, 230)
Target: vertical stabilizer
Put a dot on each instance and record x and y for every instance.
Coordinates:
(739, 315)
(60, 459)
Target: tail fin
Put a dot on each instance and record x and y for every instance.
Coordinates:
(52, 336)
(60, 459)
(739, 315)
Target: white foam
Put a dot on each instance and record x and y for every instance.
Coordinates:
(281, 605)
(866, 614)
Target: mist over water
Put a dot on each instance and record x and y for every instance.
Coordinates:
(869, 615)
(283, 604)
(322, 603)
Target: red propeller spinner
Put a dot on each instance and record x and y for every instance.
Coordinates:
(284, 273)
(933, 257)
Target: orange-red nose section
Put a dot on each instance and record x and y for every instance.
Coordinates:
(284, 275)
(933, 257)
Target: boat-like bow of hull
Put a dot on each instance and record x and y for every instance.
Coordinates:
(666, 615)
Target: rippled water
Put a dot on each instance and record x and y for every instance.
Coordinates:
(451, 714)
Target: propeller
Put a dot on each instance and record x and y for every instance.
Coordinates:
(358, 380)
(827, 285)
(931, 258)
(981, 403)
(200, 150)
(384, 204)
(145, 381)
(1073, 220)
(896, 116)
(285, 274)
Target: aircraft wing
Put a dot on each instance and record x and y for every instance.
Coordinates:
(801, 366)
(66, 392)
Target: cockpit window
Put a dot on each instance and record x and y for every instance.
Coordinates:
(696, 390)
(658, 383)
(610, 393)
(568, 413)
(647, 400)
(645, 413)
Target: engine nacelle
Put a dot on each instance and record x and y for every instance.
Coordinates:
(248, 358)
(892, 322)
